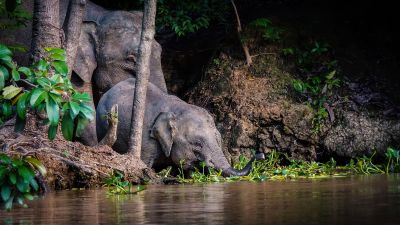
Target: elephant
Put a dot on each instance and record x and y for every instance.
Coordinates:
(106, 54)
(172, 129)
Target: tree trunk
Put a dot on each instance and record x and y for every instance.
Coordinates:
(46, 30)
(72, 28)
(239, 32)
(142, 77)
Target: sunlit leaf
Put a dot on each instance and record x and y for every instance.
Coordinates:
(11, 91)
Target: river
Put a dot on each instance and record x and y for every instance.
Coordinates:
(349, 200)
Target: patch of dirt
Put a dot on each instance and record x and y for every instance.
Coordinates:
(254, 108)
(70, 164)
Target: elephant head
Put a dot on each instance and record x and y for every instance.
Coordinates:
(192, 136)
(108, 49)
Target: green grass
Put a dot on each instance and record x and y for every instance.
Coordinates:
(278, 166)
(117, 185)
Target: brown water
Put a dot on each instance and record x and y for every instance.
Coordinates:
(352, 200)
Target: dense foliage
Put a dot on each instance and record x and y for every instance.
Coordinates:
(42, 88)
(278, 166)
(17, 179)
(12, 15)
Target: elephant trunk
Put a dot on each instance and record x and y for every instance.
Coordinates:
(229, 171)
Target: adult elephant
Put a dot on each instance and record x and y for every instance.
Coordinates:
(172, 129)
(107, 54)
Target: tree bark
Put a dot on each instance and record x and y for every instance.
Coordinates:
(239, 32)
(142, 77)
(72, 28)
(46, 30)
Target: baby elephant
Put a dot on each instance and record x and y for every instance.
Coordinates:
(172, 129)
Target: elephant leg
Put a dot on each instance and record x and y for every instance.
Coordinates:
(88, 135)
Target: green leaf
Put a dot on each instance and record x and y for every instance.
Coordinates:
(42, 65)
(26, 173)
(13, 178)
(4, 71)
(84, 97)
(331, 75)
(7, 109)
(87, 111)
(21, 106)
(37, 96)
(28, 196)
(9, 203)
(11, 91)
(2, 80)
(67, 126)
(5, 192)
(4, 50)
(26, 71)
(19, 124)
(75, 108)
(52, 132)
(59, 51)
(53, 111)
(34, 184)
(22, 186)
(37, 164)
(15, 74)
(61, 67)
(59, 57)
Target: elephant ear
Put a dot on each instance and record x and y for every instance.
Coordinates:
(164, 131)
(85, 62)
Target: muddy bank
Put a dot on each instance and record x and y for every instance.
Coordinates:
(256, 108)
(70, 164)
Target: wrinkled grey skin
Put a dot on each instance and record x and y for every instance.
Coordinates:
(107, 54)
(108, 48)
(172, 128)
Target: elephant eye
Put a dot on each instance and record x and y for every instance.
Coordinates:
(198, 144)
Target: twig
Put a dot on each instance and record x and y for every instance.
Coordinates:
(239, 31)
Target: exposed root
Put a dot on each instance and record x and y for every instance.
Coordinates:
(71, 164)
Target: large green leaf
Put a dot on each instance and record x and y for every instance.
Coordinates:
(51, 134)
(37, 96)
(22, 186)
(37, 164)
(7, 109)
(11, 91)
(42, 65)
(84, 97)
(4, 51)
(5, 192)
(61, 67)
(67, 126)
(26, 71)
(53, 111)
(75, 108)
(87, 111)
(13, 178)
(15, 74)
(26, 173)
(21, 106)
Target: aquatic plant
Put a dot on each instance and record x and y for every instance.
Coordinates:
(116, 184)
(17, 179)
(279, 166)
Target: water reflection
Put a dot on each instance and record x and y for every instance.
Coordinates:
(353, 200)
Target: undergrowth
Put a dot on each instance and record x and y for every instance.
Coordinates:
(278, 166)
